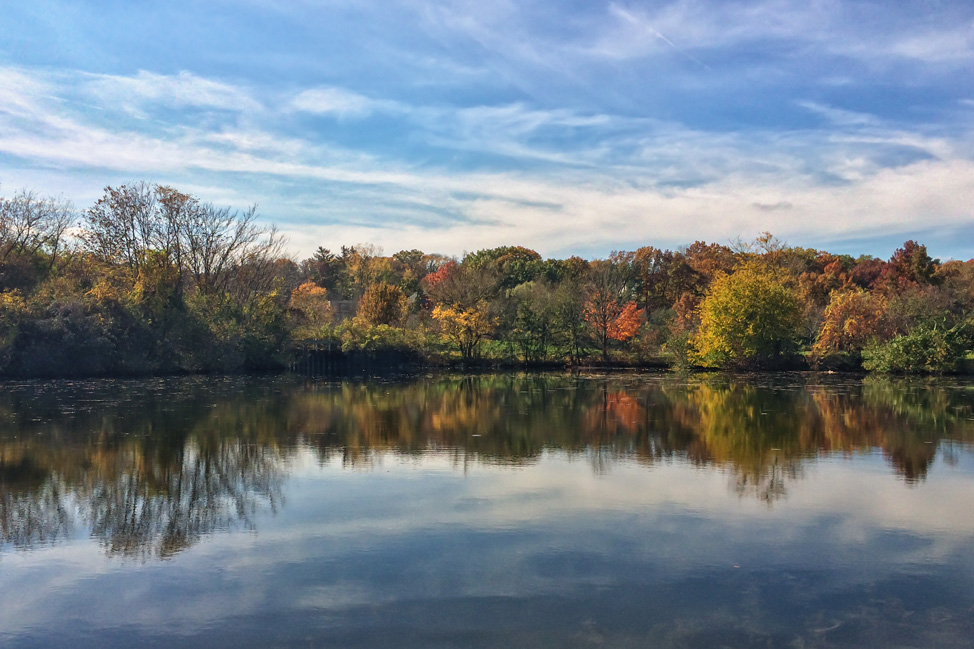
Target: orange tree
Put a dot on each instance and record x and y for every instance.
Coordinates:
(852, 320)
(311, 310)
(608, 315)
(383, 303)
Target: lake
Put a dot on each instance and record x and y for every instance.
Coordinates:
(628, 510)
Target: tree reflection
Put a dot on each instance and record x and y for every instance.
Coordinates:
(135, 512)
(150, 468)
(764, 433)
(148, 478)
(32, 509)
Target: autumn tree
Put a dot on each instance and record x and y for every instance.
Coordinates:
(435, 277)
(226, 250)
(853, 318)
(122, 225)
(748, 319)
(656, 276)
(707, 261)
(311, 309)
(31, 224)
(218, 249)
(411, 266)
(910, 264)
(33, 230)
(608, 314)
(383, 304)
(626, 325)
(466, 325)
(513, 265)
(463, 285)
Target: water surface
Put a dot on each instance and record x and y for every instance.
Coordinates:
(489, 511)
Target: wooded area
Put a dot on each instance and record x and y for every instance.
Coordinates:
(152, 280)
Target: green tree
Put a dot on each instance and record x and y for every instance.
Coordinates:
(535, 315)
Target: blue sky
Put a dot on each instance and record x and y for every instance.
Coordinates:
(573, 127)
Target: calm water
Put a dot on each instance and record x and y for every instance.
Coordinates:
(495, 511)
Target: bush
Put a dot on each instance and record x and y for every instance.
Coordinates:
(926, 349)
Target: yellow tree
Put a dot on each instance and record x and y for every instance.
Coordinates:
(465, 326)
(311, 308)
(748, 319)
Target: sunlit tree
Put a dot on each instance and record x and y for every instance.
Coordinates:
(748, 319)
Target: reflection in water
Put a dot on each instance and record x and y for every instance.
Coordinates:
(488, 511)
(763, 433)
(147, 468)
(150, 467)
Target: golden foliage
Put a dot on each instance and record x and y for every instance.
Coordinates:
(465, 327)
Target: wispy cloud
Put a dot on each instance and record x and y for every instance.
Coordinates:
(182, 90)
(335, 101)
(553, 208)
(839, 116)
(571, 127)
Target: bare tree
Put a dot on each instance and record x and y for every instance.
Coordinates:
(32, 224)
(216, 249)
(123, 225)
(224, 247)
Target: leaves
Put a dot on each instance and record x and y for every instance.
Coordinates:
(748, 319)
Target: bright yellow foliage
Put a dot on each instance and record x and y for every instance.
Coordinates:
(465, 327)
(747, 319)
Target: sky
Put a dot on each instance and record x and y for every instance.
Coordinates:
(570, 127)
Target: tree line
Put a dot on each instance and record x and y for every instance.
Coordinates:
(153, 280)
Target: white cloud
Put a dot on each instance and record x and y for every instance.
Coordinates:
(335, 101)
(830, 26)
(21, 91)
(838, 116)
(947, 45)
(626, 182)
(183, 90)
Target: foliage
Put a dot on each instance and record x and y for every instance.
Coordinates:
(12, 311)
(748, 319)
(383, 304)
(853, 319)
(535, 329)
(608, 314)
(910, 264)
(361, 336)
(311, 311)
(513, 265)
(625, 326)
(927, 348)
(465, 327)
(156, 280)
(463, 285)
